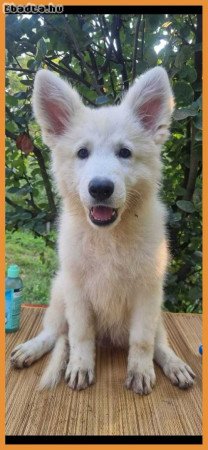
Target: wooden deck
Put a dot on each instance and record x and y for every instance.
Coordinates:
(106, 408)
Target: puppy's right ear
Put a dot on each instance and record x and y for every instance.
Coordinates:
(55, 103)
(151, 100)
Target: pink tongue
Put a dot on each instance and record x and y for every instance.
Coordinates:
(102, 213)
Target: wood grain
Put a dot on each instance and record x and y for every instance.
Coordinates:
(106, 408)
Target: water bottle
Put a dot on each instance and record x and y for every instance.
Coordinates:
(13, 299)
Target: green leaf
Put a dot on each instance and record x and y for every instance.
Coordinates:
(11, 126)
(27, 82)
(189, 73)
(20, 191)
(11, 100)
(179, 60)
(9, 171)
(183, 113)
(190, 308)
(35, 172)
(41, 50)
(21, 95)
(176, 217)
(182, 56)
(183, 92)
(194, 293)
(26, 215)
(40, 227)
(187, 51)
(30, 63)
(24, 190)
(21, 120)
(41, 215)
(28, 225)
(185, 205)
(198, 103)
(180, 190)
(13, 190)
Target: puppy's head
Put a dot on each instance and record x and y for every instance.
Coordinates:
(105, 160)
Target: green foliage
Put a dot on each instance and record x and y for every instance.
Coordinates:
(37, 261)
(100, 55)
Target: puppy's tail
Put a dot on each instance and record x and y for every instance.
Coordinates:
(57, 364)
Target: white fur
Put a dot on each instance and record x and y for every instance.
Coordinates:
(110, 279)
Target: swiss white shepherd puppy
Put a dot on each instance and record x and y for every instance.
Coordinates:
(112, 240)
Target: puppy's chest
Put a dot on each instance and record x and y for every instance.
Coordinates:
(108, 275)
(108, 263)
(108, 286)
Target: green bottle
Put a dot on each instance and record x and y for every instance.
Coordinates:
(13, 297)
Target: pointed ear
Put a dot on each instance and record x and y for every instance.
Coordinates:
(55, 103)
(151, 100)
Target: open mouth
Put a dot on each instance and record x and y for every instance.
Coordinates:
(103, 215)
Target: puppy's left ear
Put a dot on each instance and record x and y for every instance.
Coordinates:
(151, 100)
(55, 104)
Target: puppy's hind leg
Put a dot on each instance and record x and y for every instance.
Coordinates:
(178, 371)
(53, 325)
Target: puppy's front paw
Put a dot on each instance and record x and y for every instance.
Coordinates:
(79, 378)
(141, 382)
(22, 355)
(180, 373)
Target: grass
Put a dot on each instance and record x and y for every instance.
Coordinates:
(37, 262)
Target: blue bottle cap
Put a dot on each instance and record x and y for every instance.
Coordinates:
(13, 271)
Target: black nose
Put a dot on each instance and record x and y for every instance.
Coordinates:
(101, 188)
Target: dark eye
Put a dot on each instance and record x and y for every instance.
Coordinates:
(124, 153)
(83, 153)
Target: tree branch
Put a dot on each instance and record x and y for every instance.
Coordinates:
(67, 72)
(119, 53)
(14, 69)
(79, 55)
(77, 52)
(134, 57)
(193, 166)
(142, 45)
(110, 48)
(112, 83)
(14, 205)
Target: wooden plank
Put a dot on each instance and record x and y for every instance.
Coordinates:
(106, 408)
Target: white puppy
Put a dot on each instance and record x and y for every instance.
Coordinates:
(112, 241)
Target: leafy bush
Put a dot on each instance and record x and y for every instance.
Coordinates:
(101, 55)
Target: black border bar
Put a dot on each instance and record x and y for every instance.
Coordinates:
(121, 9)
(162, 440)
